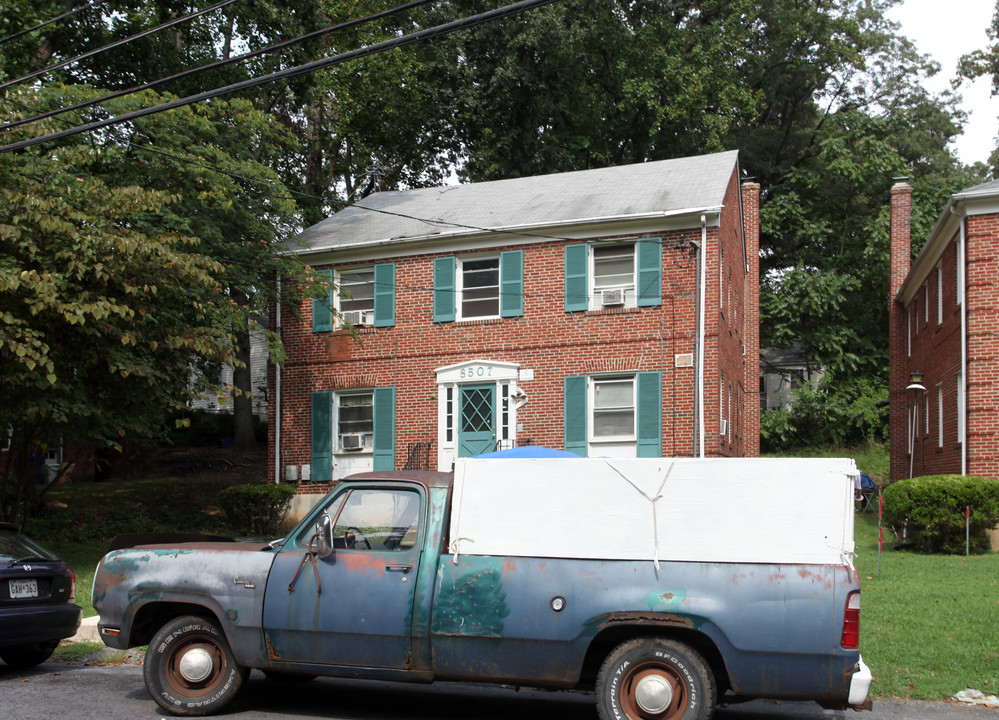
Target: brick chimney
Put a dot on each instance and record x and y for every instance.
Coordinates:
(751, 336)
(901, 259)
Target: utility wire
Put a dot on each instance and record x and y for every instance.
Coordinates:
(56, 19)
(240, 178)
(221, 63)
(90, 53)
(436, 31)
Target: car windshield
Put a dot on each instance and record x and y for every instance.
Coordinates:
(15, 546)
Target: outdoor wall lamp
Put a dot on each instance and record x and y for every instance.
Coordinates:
(916, 381)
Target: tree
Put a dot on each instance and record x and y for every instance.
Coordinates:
(100, 315)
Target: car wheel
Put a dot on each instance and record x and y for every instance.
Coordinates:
(25, 656)
(655, 679)
(189, 668)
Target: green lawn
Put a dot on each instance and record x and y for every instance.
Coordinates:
(929, 623)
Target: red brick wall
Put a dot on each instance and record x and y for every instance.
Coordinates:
(930, 345)
(546, 339)
(982, 242)
(751, 323)
(921, 343)
(901, 253)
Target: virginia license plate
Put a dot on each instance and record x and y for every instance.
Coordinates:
(23, 588)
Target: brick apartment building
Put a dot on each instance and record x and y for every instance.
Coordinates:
(609, 312)
(944, 351)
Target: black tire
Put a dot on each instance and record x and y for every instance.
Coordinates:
(25, 656)
(189, 668)
(655, 679)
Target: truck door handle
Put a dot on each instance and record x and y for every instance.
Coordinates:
(404, 569)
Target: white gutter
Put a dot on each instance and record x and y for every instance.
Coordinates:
(507, 229)
(701, 310)
(963, 296)
(277, 393)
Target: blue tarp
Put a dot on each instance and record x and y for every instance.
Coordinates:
(530, 451)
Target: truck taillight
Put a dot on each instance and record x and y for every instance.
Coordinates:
(851, 622)
(72, 586)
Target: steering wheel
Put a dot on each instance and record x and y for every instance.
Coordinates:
(352, 535)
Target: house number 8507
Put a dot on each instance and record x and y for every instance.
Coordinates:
(477, 371)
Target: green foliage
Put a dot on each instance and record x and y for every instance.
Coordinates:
(255, 510)
(832, 415)
(933, 507)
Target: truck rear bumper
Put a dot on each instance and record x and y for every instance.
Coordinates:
(860, 684)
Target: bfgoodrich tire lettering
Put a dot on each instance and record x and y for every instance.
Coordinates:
(655, 679)
(189, 668)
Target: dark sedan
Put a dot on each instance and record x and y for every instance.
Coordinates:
(37, 593)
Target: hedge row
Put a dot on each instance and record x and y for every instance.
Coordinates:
(932, 508)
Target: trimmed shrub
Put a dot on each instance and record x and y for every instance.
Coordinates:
(934, 507)
(255, 510)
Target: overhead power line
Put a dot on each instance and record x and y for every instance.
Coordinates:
(56, 19)
(436, 31)
(220, 63)
(91, 53)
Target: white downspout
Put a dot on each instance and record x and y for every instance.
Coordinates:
(277, 392)
(701, 309)
(963, 297)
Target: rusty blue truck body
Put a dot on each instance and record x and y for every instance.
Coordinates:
(384, 596)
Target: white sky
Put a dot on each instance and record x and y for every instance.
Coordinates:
(945, 30)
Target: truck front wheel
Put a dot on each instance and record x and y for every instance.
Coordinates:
(189, 668)
(655, 679)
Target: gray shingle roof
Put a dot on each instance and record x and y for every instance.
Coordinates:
(665, 186)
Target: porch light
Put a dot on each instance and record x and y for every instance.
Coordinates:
(916, 382)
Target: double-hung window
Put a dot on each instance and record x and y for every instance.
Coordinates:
(366, 296)
(479, 288)
(614, 274)
(357, 296)
(613, 408)
(614, 415)
(355, 421)
(602, 275)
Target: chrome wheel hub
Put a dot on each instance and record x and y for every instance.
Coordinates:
(653, 694)
(196, 665)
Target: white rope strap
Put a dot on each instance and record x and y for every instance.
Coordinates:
(653, 500)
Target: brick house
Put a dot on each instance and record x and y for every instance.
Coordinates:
(944, 352)
(569, 310)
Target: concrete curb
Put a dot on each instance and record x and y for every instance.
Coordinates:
(88, 631)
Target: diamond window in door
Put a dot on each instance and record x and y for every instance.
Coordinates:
(477, 410)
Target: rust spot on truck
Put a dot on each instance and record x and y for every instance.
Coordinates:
(643, 618)
(272, 653)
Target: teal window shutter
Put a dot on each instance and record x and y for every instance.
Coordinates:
(650, 272)
(512, 283)
(322, 436)
(576, 420)
(385, 295)
(322, 308)
(444, 269)
(384, 440)
(577, 282)
(650, 414)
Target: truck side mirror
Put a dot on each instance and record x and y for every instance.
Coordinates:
(324, 536)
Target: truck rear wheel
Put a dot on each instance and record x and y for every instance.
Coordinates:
(655, 679)
(189, 668)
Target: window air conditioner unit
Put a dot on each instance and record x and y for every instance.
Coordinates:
(612, 297)
(353, 317)
(724, 427)
(352, 441)
(368, 318)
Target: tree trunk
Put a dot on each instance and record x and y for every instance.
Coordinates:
(242, 400)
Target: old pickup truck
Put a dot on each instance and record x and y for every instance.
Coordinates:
(665, 586)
